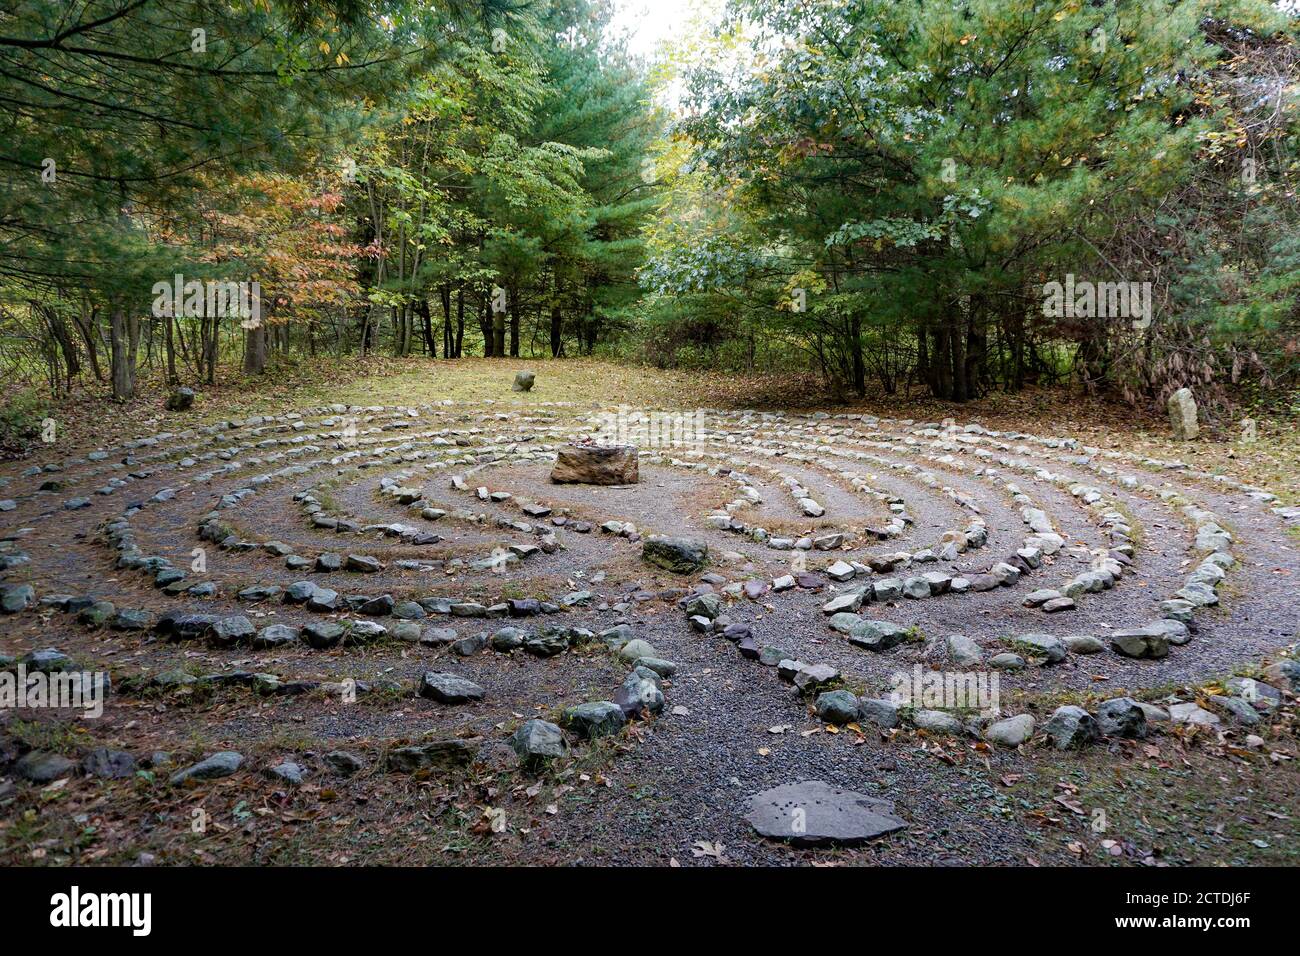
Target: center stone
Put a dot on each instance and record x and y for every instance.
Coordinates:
(596, 465)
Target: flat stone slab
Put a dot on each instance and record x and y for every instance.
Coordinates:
(815, 813)
(595, 465)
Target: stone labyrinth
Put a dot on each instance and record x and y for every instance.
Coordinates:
(422, 557)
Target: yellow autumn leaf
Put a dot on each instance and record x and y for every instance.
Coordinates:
(324, 47)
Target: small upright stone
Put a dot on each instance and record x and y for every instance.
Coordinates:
(1182, 415)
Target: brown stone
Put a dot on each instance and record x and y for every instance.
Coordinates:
(596, 465)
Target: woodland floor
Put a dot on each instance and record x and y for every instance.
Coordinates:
(669, 790)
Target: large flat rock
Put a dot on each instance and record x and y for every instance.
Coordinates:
(815, 813)
(596, 465)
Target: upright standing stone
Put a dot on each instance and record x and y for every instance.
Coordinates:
(1182, 415)
(523, 382)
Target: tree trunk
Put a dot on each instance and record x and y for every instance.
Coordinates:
(513, 305)
(255, 349)
(63, 338)
(460, 318)
(86, 326)
(957, 340)
(557, 328)
(122, 367)
(859, 370)
(427, 320)
(170, 342)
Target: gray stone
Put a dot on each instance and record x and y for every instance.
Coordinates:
(362, 563)
(1153, 713)
(1040, 645)
(837, 707)
(550, 642)
(1083, 644)
(16, 597)
(678, 555)
(812, 677)
(640, 693)
(471, 645)
(1239, 709)
(844, 622)
(228, 631)
(663, 668)
(937, 722)
(455, 751)
(888, 589)
(275, 635)
(963, 651)
(322, 635)
(287, 772)
(299, 592)
(439, 636)
(324, 600)
(180, 400)
(523, 381)
(537, 741)
(329, 562)
(878, 635)
(48, 661)
(843, 603)
(221, 764)
(259, 592)
(879, 711)
(1182, 415)
(1122, 717)
(131, 620)
(1193, 713)
(449, 689)
(1179, 610)
(916, 588)
(108, 764)
(1071, 727)
(1011, 731)
(43, 768)
(814, 813)
(343, 762)
(840, 571)
(1141, 642)
(508, 639)
(597, 719)
(704, 605)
